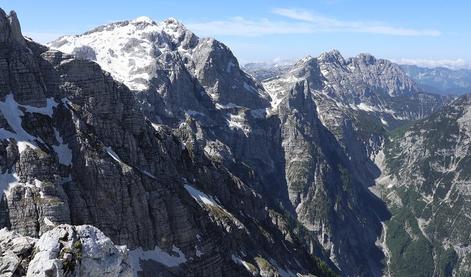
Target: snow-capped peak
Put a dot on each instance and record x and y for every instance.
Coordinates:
(144, 19)
(332, 56)
(138, 53)
(172, 21)
(129, 49)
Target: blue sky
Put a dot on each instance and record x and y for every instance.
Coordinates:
(427, 32)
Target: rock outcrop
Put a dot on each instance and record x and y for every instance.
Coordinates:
(63, 251)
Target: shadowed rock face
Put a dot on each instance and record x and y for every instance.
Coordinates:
(331, 199)
(76, 149)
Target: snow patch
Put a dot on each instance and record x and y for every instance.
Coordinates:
(7, 181)
(64, 153)
(48, 110)
(283, 272)
(114, 155)
(239, 261)
(194, 113)
(365, 107)
(384, 122)
(145, 19)
(148, 174)
(156, 127)
(238, 122)
(13, 115)
(201, 197)
(198, 252)
(48, 222)
(173, 259)
(226, 106)
(22, 145)
(205, 200)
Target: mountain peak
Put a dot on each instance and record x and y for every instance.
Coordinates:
(332, 56)
(143, 19)
(367, 58)
(10, 26)
(305, 61)
(175, 28)
(172, 21)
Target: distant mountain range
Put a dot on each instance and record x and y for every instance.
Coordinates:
(438, 80)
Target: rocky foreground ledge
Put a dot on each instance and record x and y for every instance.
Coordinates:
(65, 250)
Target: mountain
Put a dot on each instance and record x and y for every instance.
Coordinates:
(301, 140)
(83, 170)
(426, 173)
(191, 164)
(262, 71)
(356, 102)
(440, 80)
(279, 140)
(363, 85)
(194, 85)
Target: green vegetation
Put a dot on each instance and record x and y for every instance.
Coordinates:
(368, 125)
(446, 261)
(411, 256)
(322, 269)
(71, 257)
(263, 264)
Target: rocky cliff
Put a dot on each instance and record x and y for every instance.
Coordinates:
(77, 149)
(426, 184)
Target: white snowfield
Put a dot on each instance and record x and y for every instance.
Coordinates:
(127, 49)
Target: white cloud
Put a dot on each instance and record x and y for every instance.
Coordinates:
(239, 26)
(430, 63)
(333, 24)
(304, 22)
(297, 14)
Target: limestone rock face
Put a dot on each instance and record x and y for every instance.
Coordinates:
(15, 253)
(11, 30)
(330, 199)
(77, 149)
